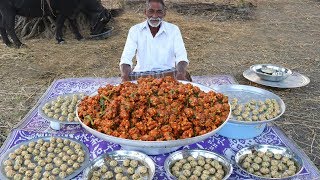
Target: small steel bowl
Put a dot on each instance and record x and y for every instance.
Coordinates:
(284, 151)
(106, 33)
(183, 154)
(120, 156)
(271, 72)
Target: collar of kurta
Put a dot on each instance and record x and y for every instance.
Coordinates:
(162, 29)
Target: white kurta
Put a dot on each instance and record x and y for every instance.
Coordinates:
(161, 52)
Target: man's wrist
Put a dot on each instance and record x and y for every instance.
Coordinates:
(125, 71)
(125, 78)
(181, 72)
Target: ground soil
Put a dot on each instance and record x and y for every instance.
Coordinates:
(224, 37)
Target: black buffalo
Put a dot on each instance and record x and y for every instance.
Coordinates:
(59, 9)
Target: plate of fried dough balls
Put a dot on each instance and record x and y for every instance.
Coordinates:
(44, 158)
(197, 164)
(61, 109)
(252, 105)
(121, 165)
(269, 162)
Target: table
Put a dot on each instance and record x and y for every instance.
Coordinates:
(33, 125)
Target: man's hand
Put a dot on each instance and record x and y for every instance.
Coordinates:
(125, 71)
(182, 70)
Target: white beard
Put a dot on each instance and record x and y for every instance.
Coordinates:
(154, 19)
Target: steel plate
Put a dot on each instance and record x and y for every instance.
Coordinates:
(120, 156)
(294, 81)
(264, 148)
(46, 139)
(42, 114)
(183, 154)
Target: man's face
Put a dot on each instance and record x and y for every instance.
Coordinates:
(155, 13)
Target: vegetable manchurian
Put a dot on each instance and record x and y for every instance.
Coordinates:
(154, 110)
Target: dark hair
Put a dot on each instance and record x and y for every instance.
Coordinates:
(159, 1)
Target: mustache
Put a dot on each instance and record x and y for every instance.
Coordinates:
(155, 19)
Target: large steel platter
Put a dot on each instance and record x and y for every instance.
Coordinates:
(244, 94)
(293, 81)
(155, 147)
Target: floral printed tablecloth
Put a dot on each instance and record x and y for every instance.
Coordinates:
(33, 125)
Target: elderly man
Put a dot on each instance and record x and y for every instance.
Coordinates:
(157, 44)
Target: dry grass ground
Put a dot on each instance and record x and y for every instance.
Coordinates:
(284, 32)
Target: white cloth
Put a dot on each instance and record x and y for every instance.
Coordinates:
(163, 51)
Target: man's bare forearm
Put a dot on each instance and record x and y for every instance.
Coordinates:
(125, 71)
